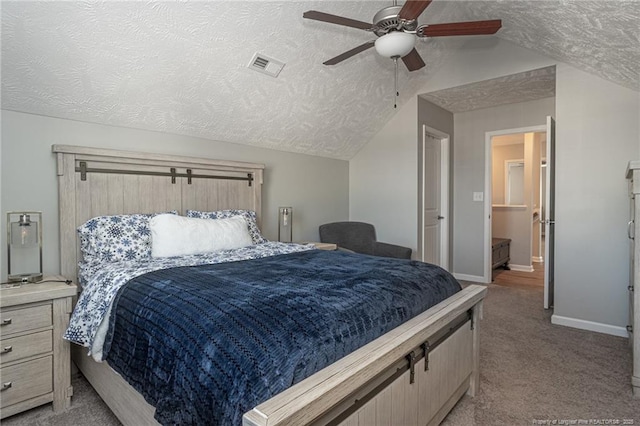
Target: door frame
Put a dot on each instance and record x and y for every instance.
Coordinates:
(445, 189)
(550, 220)
(488, 188)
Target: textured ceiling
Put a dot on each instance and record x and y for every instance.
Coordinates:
(599, 37)
(180, 67)
(521, 87)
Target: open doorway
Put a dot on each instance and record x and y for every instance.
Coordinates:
(518, 206)
(517, 191)
(516, 194)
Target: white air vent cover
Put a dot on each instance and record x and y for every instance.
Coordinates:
(266, 65)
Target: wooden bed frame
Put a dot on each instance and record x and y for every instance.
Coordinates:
(412, 375)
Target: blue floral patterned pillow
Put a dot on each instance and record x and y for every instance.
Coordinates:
(249, 215)
(116, 238)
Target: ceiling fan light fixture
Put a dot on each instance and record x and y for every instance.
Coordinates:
(395, 44)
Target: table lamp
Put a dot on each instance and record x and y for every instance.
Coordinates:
(24, 246)
(285, 228)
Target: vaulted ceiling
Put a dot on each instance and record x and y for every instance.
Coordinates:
(181, 67)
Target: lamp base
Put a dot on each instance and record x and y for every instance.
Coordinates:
(25, 278)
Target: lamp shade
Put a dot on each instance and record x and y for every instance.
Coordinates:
(24, 233)
(395, 44)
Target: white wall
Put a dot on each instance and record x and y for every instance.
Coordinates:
(598, 132)
(437, 118)
(383, 175)
(383, 180)
(469, 171)
(316, 187)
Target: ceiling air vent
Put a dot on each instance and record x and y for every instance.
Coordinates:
(266, 65)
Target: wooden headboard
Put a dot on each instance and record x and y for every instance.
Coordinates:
(94, 182)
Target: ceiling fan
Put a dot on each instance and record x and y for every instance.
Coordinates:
(397, 30)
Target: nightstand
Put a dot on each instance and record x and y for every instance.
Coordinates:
(35, 362)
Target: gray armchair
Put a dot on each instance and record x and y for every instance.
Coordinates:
(361, 238)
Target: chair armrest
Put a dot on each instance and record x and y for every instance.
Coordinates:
(346, 250)
(391, 250)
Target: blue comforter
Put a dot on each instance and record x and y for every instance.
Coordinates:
(205, 344)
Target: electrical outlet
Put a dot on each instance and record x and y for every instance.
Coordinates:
(478, 196)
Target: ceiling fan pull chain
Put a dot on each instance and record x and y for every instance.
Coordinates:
(395, 102)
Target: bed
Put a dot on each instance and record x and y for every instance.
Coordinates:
(413, 373)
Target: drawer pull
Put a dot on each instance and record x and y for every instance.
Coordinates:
(6, 321)
(6, 349)
(6, 385)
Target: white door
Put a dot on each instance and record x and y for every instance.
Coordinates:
(549, 223)
(432, 215)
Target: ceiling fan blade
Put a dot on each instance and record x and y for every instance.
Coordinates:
(334, 19)
(350, 53)
(412, 9)
(413, 60)
(461, 28)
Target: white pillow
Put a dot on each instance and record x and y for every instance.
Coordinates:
(173, 235)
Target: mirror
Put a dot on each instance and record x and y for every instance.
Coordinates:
(514, 182)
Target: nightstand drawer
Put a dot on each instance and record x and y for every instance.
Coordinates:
(35, 317)
(26, 380)
(24, 319)
(25, 346)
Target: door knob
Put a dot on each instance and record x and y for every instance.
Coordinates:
(440, 217)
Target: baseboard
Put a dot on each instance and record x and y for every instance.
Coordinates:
(589, 325)
(538, 259)
(465, 277)
(521, 268)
